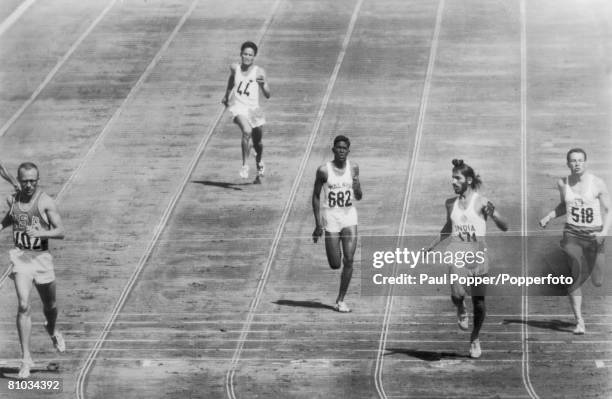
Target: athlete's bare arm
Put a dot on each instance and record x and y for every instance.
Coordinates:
(447, 229)
(489, 211)
(559, 209)
(6, 221)
(9, 178)
(356, 183)
(47, 207)
(230, 86)
(263, 82)
(604, 201)
(320, 179)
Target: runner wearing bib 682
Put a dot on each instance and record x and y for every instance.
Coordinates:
(335, 190)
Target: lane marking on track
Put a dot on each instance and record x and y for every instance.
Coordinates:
(229, 379)
(55, 69)
(84, 371)
(524, 222)
(378, 371)
(15, 15)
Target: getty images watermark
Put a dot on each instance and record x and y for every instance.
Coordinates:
(458, 259)
(502, 265)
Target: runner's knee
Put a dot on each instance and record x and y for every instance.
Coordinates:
(335, 264)
(23, 307)
(348, 261)
(49, 306)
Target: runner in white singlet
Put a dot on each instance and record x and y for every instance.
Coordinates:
(586, 203)
(466, 218)
(245, 81)
(338, 181)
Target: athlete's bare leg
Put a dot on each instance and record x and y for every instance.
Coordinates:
(257, 135)
(596, 258)
(23, 287)
(348, 235)
(479, 315)
(47, 296)
(333, 249)
(337, 245)
(574, 258)
(246, 130)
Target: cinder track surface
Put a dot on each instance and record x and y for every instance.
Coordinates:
(233, 299)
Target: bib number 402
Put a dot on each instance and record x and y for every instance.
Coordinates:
(24, 241)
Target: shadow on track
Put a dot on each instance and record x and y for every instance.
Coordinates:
(222, 184)
(303, 304)
(428, 356)
(556, 325)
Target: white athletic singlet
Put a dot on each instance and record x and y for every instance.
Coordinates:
(583, 210)
(246, 88)
(338, 211)
(468, 225)
(338, 190)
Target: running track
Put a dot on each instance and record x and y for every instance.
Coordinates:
(189, 282)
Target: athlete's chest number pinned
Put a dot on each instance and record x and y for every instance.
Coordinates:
(340, 198)
(466, 236)
(582, 215)
(24, 241)
(244, 91)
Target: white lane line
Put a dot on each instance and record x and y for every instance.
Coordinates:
(229, 379)
(378, 371)
(83, 373)
(15, 15)
(524, 222)
(54, 71)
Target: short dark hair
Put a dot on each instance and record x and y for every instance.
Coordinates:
(342, 138)
(27, 166)
(467, 171)
(248, 45)
(580, 150)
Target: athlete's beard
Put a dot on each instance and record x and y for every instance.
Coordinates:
(462, 189)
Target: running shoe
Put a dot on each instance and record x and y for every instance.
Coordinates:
(244, 171)
(57, 339)
(579, 330)
(341, 307)
(58, 342)
(475, 351)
